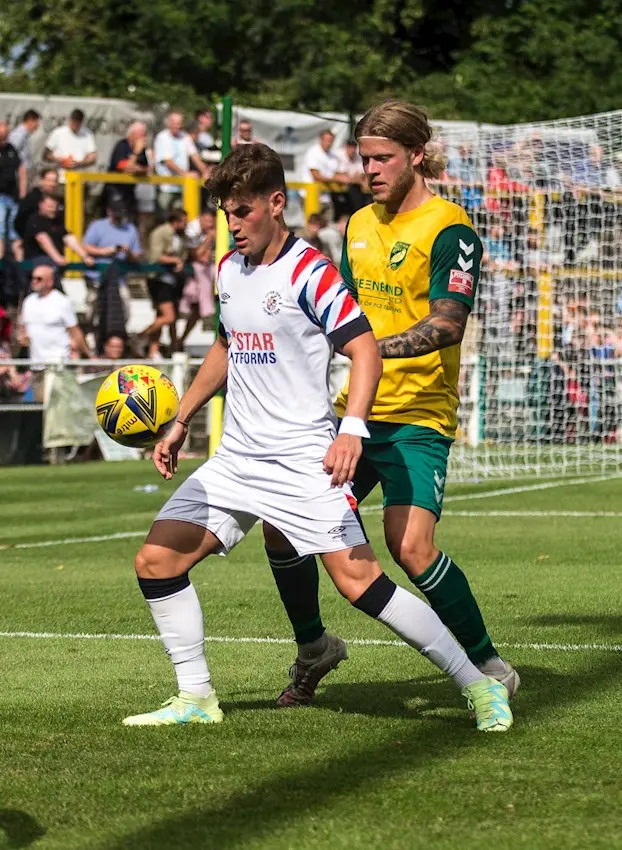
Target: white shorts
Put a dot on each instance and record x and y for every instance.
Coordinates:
(229, 493)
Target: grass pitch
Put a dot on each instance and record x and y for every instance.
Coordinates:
(387, 757)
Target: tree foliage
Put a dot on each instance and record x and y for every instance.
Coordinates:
(487, 60)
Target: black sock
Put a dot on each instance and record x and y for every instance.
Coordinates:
(297, 579)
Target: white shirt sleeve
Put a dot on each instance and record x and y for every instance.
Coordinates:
(163, 148)
(68, 314)
(54, 141)
(89, 143)
(191, 148)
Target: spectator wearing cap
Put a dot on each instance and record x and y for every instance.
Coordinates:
(71, 147)
(19, 137)
(113, 238)
(12, 187)
(132, 156)
(29, 204)
(46, 236)
(174, 150)
(245, 133)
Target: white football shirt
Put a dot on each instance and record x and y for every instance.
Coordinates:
(282, 322)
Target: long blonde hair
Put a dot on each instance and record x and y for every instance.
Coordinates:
(408, 125)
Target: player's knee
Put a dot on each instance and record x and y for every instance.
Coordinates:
(413, 554)
(149, 563)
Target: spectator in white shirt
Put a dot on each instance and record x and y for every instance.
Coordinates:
(19, 137)
(321, 165)
(351, 165)
(174, 150)
(48, 325)
(72, 146)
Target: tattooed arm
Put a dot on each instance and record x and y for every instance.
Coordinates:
(444, 326)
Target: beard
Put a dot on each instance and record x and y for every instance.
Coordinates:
(402, 186)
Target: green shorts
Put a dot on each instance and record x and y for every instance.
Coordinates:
(408, 461)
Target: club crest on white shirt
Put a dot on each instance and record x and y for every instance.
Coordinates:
(272, 303)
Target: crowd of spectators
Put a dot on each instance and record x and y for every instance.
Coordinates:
(547, 209)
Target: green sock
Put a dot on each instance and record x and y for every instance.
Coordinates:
(447, 590)
(298, 581)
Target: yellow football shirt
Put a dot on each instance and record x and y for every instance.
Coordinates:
(395, 265)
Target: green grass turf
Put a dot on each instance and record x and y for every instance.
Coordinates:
(387, 757)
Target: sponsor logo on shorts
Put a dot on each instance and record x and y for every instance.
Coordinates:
(272, 303)
(461, 282)
(338, 532)
(224, 297)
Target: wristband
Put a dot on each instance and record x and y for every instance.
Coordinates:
(354, 426)
(181, 422)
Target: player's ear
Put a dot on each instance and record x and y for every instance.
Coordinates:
(416, 156)
(277, 203)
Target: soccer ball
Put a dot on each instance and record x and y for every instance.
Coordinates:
(137, 406)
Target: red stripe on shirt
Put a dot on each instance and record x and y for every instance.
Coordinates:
(326, 281)
(349, 304)
(309, 255)
(226, 257)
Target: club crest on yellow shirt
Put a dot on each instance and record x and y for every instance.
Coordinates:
(398, 254)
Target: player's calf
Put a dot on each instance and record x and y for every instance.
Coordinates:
(418, 625)
(164, 581)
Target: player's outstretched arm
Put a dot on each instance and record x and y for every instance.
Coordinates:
(444, 326)
(210, 378)
(344, 453)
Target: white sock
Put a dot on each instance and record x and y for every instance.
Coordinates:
(417, 624)
(179, 620)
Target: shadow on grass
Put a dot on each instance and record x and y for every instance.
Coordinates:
(255, 813)
(602, 623)
(20, 828)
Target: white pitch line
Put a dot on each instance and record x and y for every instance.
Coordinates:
(98, 538)
(509, 491)
(536, 513)
(365, 509)
(539, 647)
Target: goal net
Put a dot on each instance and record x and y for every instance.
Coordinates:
(541, 379)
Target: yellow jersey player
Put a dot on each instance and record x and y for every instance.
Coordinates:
(412, 259)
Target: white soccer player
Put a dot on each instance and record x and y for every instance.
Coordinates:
(284, 310)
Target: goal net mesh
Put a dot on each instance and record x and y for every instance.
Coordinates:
(541, 379)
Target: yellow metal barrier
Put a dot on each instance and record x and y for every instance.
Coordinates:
(74, 195)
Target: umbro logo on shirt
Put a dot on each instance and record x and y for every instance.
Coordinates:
(224, 297)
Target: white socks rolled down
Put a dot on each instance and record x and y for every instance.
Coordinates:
(179, 620)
